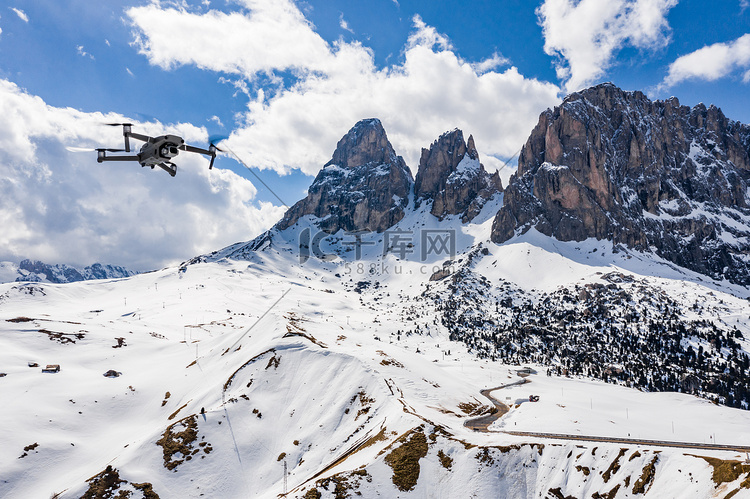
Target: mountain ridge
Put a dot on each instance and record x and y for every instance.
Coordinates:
(37, 271)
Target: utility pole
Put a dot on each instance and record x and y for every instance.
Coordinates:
(285, 484)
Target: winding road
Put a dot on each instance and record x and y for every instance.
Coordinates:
(482, 424)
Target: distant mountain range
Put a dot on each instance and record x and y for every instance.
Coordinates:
(37, 271)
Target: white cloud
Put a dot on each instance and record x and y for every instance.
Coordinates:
(83, 52)
(217, 120)
(270, 36)
(297, 125)
(343, 24)
(744, 4)
(64, 207)
(21, 14)
(427, 36)
(490, 64)
(711, 62)
(585, 35)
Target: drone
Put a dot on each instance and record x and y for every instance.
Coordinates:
(156, 151)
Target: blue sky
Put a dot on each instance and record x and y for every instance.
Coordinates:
(284, 80)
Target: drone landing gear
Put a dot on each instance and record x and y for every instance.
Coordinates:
(168, 167)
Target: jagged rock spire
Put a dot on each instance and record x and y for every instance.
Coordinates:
(451, 175)
(365, 185)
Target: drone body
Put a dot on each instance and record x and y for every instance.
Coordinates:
(156, 151)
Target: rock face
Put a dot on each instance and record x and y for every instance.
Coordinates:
(656, 175)
(365, 185)
(37, 271)
(451, 175)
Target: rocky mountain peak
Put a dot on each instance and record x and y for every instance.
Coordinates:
(365, 185)
(615, 165)
(365, 143)
(452, 177)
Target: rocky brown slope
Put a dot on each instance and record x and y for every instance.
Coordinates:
(652, 175)
(451, 175)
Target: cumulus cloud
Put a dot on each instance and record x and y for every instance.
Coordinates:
(711, 62)
(585, 35)
(64, 207)
(21, 14)
(296, 125)
(269, 36)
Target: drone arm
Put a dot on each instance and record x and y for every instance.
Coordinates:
(211, 151)
(198, 150)
(137, 136)
(103, 157)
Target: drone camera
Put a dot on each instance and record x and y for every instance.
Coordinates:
(169, 151)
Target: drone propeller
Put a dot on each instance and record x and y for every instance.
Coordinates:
(212, 148)
(88, 149)
(118, 124)
(215, 139)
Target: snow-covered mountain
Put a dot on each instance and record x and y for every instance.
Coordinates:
(325, 360)
(37, 271)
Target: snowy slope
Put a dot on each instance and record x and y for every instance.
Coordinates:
(305, 364)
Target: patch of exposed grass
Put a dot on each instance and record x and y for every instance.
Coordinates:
(606, 495)
(476, 409)
(172, 416)
(445, 460)
(379, 437)
(614, 467)
(343, 484)
(28, 449)
(104, 484)
(726, 471)
(366, 403)
(313, 494)
(556, 493)
(647, 477)
(109, 485)
(147, 489)
(177, 442)
(404, 460)
(166, 397)
(273, 362)
(583, 469)
(635, 455)
(62, 338)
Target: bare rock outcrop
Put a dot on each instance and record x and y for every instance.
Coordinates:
(365, 185)
(451, 175)
(653, 175)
